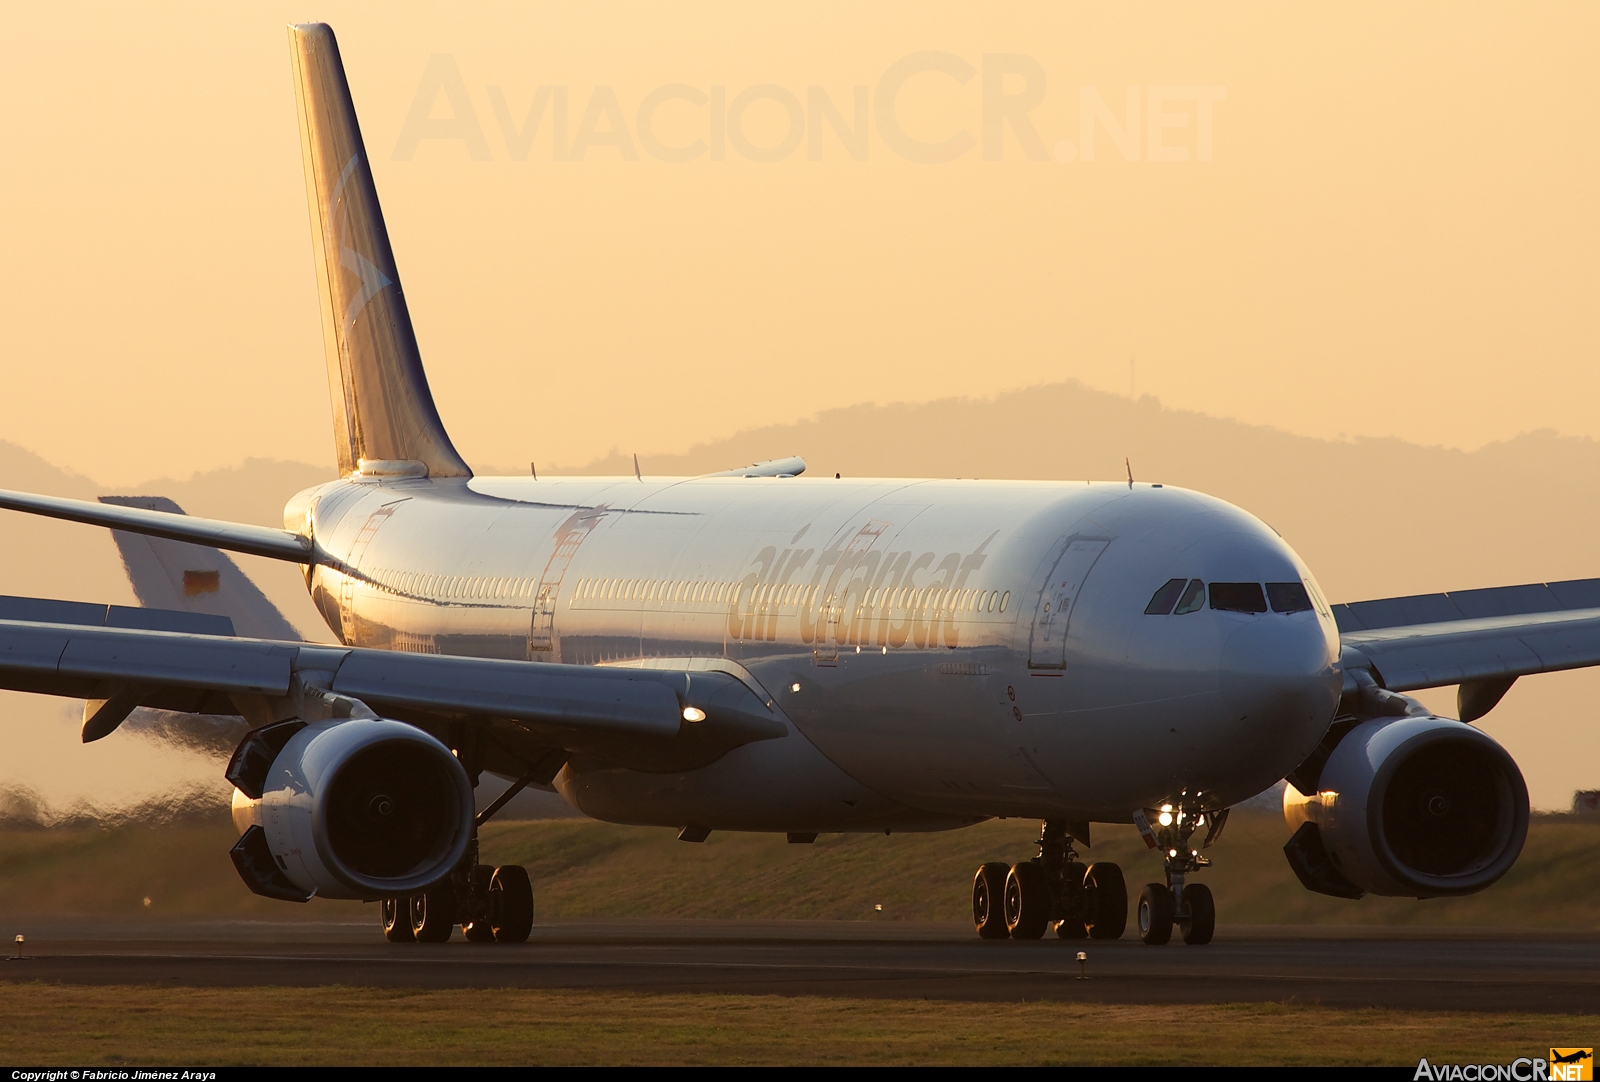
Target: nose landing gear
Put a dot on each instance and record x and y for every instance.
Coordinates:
(1188, 906)
(1025, 900)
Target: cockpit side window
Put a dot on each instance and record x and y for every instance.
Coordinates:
(1288, 597)
(1193, 598)
(1166, 597)
(1238, 597)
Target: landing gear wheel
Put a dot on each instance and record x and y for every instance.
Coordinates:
(396, 915)
(511, 904)
(1027, 901)
(1202, 919)
(988, 900)
(1105, 900)
(433, 914)
(1155, 914)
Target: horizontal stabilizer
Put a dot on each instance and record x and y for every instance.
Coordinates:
(233, 536)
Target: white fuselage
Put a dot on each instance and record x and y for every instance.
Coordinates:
(942, 651)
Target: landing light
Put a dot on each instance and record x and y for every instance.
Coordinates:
(693, 713)
(795, 686)
(1165, 819)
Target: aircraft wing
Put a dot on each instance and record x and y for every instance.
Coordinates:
(120, 659)
(1480, 639)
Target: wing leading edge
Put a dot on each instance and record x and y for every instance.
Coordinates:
(1482, 640)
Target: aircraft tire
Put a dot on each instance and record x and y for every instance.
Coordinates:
(1201, 922)
(1106, 899)
(1027, 901)
(433, 914)
(395, 914)
(513, 908)
(1155, 914)
(988, 900)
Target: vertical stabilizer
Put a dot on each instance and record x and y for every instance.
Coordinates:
(182, 577)
(383, 411)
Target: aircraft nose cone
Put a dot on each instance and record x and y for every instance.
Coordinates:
(1278, 677)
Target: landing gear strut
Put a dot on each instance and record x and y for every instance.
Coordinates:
(1188, 906)
(1025, 900)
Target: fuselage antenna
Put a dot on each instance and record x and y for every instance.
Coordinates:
(1129, 466)
(637, 476)
(533, 468)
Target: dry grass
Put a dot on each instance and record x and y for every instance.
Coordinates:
(585, 869)
(73, 1026)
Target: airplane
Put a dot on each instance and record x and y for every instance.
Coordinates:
(758, 650)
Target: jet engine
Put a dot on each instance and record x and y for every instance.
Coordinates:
(355, 808)
(1417, 806)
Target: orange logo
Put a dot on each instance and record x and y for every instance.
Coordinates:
(1571, 1064)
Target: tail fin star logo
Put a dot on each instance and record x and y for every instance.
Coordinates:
(1571, 1064)
(373, 280)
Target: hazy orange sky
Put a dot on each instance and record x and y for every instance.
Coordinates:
(1395, 233)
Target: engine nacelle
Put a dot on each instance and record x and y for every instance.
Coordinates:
(1419, 807)
(355, 808)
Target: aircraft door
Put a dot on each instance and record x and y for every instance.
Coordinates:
(1047, 645)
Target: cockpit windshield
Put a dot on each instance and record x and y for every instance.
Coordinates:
(1238, 597)
(1165, 598)
(1288, 596)
(1179, 596)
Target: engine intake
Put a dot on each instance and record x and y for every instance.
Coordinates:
(359, 808)
(1420, 807)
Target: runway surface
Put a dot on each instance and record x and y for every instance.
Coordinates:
(1423, 969)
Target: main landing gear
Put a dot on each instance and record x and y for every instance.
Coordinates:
(1023, 901)
(1187, 906)
(492, 905)
(495, 907)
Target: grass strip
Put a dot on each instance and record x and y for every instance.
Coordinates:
(52, 1025)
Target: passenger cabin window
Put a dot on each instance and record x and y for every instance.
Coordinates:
(1238, 597)
(1193, 599)
(1162, 600)
(1288, 597)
